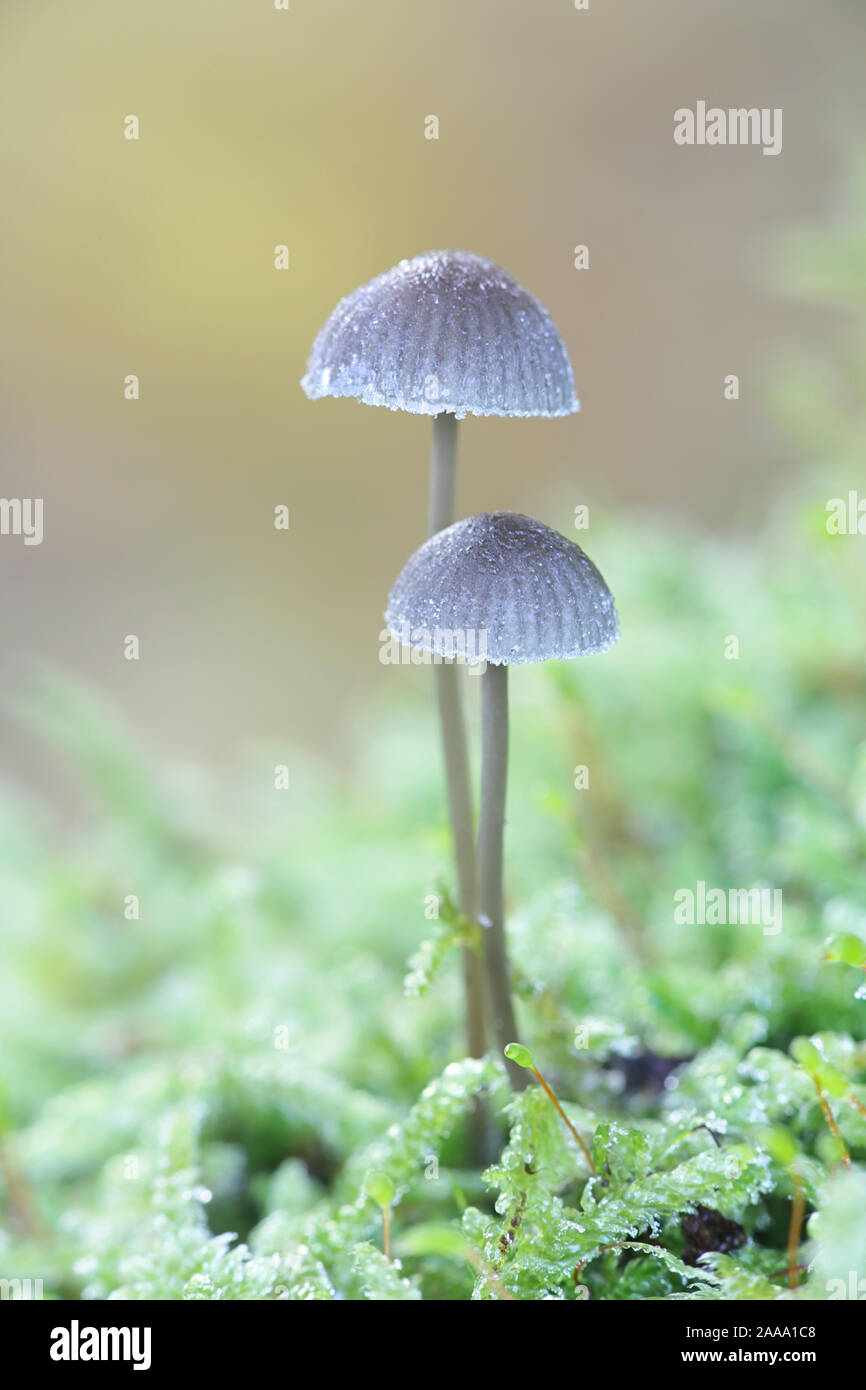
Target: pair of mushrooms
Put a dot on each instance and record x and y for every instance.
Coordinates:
(449, 334)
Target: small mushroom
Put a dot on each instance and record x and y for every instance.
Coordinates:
(446, 334)
(511, 590)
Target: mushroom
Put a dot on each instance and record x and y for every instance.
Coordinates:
(446, 334)
(511, 590)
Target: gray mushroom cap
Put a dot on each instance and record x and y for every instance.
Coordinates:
(444, 332)
(503, 588)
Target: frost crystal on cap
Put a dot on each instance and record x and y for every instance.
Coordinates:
(446, 331)
(505, 587)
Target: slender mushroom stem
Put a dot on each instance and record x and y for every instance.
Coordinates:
(443, 473)
(494, 774)
(443, 483)
(462, 825)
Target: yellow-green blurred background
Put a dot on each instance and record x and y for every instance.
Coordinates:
(306, 127)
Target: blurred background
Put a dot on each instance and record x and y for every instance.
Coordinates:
(306, 127)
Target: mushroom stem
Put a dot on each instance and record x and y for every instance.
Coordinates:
(494, 775)
(443, 473)
(443, 482)
(462, 825)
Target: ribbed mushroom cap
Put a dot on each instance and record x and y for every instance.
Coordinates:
(533, 594)
(444, 332)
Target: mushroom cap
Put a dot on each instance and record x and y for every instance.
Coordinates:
(533, 593)
(444, 332)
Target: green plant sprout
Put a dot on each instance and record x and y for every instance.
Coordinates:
(783, 1149)
(381, 1190)
(848, 949)
(522, 1057)
(826, 1079)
